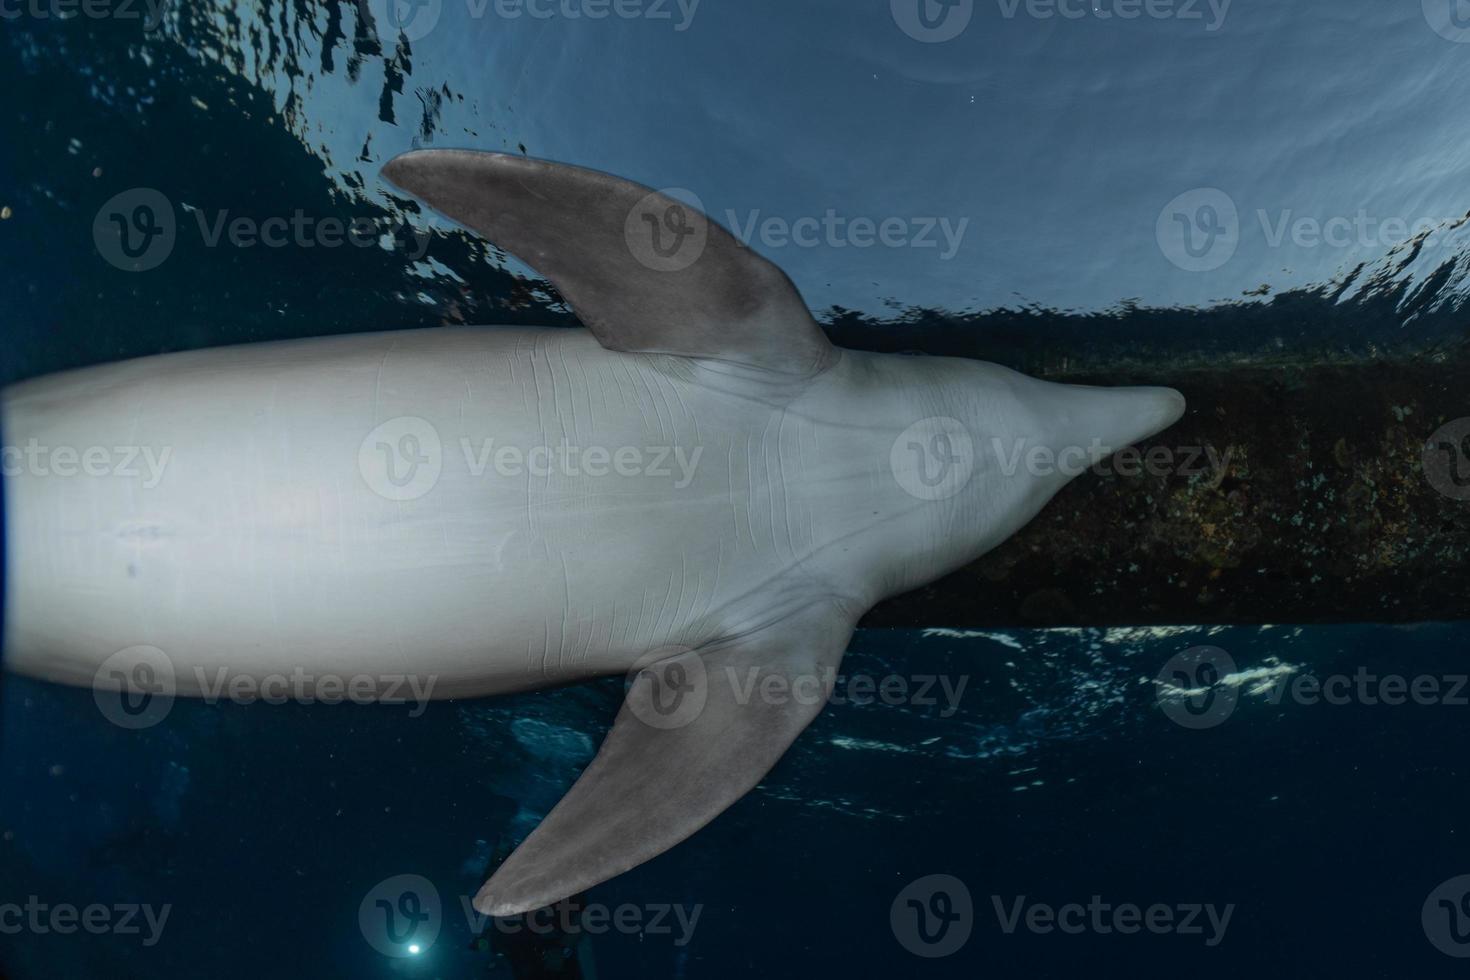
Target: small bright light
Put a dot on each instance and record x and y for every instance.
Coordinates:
(415, 949)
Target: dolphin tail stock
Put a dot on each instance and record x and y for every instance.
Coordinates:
(697, 731)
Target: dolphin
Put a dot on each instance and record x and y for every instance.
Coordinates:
(699, 492)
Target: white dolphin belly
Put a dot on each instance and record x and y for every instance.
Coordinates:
(496, 509)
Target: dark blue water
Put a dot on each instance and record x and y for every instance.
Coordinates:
(1131, 190)
(1323, 826)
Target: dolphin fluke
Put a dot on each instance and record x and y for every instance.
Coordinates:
(698, 730)
(644, 271)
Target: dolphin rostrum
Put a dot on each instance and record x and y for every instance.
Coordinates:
(699, 492)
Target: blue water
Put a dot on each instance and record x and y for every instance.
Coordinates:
(1057, 778)
(1067, 146)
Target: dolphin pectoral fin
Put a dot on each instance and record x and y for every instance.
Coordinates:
(697, 732)
(644, 272)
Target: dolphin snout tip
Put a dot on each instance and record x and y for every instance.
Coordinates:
(1172, 406)
(1145, 412)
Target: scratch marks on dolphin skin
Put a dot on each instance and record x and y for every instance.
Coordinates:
(140, 531)
(571, 391)
(566, 608)
(749, 495)
(378, 379)
(781, 476)
(531, 657)
(469, 396)
(769, 478)
(734, 505)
